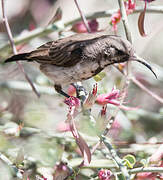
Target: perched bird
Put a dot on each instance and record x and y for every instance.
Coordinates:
(79, 57)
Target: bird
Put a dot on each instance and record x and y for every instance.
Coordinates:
(79, 57)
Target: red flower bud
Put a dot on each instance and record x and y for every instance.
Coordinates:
(104, 174)
(79, 27)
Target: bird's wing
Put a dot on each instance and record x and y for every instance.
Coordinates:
(59, 53)
(70, 50)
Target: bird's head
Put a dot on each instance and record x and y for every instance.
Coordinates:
(122, 50)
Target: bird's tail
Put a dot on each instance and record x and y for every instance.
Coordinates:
(18, 57)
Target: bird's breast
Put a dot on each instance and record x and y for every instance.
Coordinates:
(67, 75)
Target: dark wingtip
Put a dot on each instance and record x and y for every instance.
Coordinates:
(142, 61)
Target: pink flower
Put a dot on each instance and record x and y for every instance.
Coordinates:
(63, 126)
(93, 24)
(157, 156)
(116, 17)
(130, 6)
(111, 98)
(104, 174)
(79, 27)
(71, 91)
(73, 106)
(44, 178)
(61, 171)
(72, 101)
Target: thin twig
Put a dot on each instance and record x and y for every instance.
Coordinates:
(24, 86)
(125, 20)
(140, 85)
(126, 28)
(146, 169)
(108, 13)
(5, 20)
(16, 171)
(55, 27)
(114, 155)
(126, 84)
(116, 158)
(83, 16)
(106, 130)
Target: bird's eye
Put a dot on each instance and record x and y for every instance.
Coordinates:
(120, 52)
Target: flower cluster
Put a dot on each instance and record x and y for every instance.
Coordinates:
(104, 174)
(116, 17)
(61, 171)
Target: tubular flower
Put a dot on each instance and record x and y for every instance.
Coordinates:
(112, 98)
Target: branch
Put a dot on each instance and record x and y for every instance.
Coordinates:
(125, 20)
(146, 169)
(116, 158)
(16, 171)
(5, 20)
(108, 13)
(83, 16)
(55, 27)
(127, 32)
(140, 85)
(24, 86)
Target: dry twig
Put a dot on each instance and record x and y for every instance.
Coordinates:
(5, 20)
(82, 16)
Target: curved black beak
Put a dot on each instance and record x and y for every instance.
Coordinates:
(144, 62)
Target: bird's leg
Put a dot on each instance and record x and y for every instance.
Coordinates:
(58, 88)
(80, 91)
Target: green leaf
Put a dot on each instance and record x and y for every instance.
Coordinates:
(99, 76)
(129, 160)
